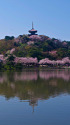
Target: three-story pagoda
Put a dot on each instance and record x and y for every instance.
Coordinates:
(32, 31)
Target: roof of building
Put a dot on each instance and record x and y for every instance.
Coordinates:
(32, 30)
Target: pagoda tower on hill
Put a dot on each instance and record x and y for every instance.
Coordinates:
(32, 31)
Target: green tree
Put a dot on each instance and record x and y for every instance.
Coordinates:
(9, 37)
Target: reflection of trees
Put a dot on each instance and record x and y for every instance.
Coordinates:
(64, 74)
(33, 75)
(26, 76)
(44, 85)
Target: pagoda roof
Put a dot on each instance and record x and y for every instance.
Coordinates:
(33, 30)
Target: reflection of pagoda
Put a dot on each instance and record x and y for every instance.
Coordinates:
(32, 31)
(33, 102)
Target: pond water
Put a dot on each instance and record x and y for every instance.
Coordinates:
(35, 97)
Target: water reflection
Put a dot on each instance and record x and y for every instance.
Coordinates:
(34, 85)
(26, 76)
(34, 75)
(65, 74)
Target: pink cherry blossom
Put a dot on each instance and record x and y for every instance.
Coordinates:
(26, 60)
(12, 50)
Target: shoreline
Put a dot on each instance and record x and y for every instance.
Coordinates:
(34, 68)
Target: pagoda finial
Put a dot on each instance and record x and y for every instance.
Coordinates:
(32, 26)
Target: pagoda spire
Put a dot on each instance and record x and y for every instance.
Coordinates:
(32, 26)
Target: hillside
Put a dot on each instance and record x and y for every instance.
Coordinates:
(39, 46)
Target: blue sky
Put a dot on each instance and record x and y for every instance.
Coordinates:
(50, 17)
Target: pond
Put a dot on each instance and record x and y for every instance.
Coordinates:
(35, 97)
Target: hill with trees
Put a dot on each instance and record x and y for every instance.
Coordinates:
(39, 46)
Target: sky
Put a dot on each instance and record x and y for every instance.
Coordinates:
(50, 18)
